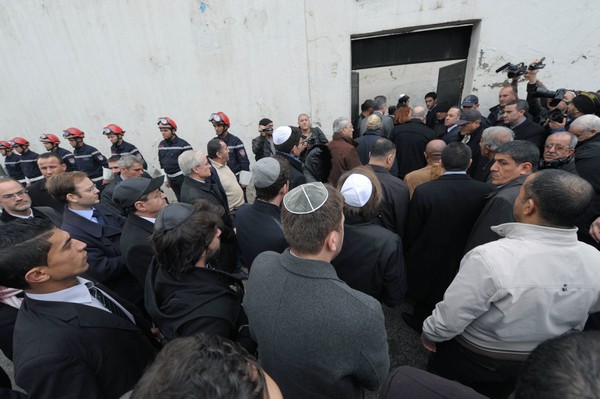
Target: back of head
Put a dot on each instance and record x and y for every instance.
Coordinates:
(373, 122)
(361, 190)
(23, 246)
(367, 105)
(434, 149)
(419, 112)
(270, 191)
(560, 197)
(340, 123)
(521, 151)
(381, 148)
(286, 137)
(202, 366)
(59, 186)
(566, 367)
(309, 213)
(178, 248)
(495, 136)
(402, 115)
(456, 157)
(379, 102)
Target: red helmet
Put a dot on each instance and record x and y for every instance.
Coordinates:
(220, 117)
(49, 138)
(165, 121)
(5, 145)
(73, 133)
(114, 129)
(19, 141)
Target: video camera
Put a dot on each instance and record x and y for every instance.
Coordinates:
(514, 71)
(556, 95)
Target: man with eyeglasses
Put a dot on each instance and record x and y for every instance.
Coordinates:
(559, 152)
(16, 204)
(168, 151)
(99, 227)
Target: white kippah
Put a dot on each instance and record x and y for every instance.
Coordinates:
(306, 198)
(357, 190)
(281, 134)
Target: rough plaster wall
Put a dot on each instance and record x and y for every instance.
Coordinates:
(90, 63)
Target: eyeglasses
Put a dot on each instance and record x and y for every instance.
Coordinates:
(215, 118)
(88, 190)
(14, 195)
(557, 147)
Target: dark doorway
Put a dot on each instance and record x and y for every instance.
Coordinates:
(414, 47)
(451, 80)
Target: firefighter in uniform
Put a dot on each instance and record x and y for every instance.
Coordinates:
(238, 158)
(119, 146)
(51, 143)
(168, 151)
(87, 158)
(28, 160)
(11, 162)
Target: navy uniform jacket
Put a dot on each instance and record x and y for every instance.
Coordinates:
(90, 161)
(11, 162)
(238, 158)
(28, 163)
(128, 149)
(168, 152)
(68, 158)
(70, 350)
(106, 264)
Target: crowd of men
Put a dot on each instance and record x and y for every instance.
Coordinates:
(487, 225)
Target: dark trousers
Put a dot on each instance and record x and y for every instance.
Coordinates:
(490, 377)
(176, 184)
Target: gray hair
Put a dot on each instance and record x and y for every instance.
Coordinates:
(587, 123)
(189, 160)
(495, 136)
(380, 102)
(419, 112)
(572, 137)
(127, 161)
(340, 123)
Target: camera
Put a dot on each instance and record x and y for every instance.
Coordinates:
(556, 95)
(516, 70)
(555, 116)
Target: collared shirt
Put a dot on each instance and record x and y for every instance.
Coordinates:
(235, 194)
(78, 294)
(151, 220)
(22, 217)
(455, 172)
(86, 214)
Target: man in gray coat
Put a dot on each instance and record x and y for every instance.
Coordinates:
(316, 336)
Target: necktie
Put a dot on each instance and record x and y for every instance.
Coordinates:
(98, 217)
(106, 302)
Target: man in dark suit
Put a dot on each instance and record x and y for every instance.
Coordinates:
(410, 139)
(50, 164)
(141, 200)
(395, 199)
(432, 109)
(442, 213)
(513, 162)
(100, 228)
(16, 204)
(524, 129)
(129, 166)
(258, 225)
(73, 339)
(198, 184)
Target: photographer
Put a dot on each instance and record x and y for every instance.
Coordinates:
(262, 145)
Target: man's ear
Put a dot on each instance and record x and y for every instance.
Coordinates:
(526, 168)
(139, 206)
(333, 241)
(529, 207)
(72, 197)
(36, 275)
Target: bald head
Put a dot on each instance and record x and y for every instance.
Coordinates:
(419, 112)
(433, 151)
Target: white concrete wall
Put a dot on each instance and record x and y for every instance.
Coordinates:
(89, 63)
